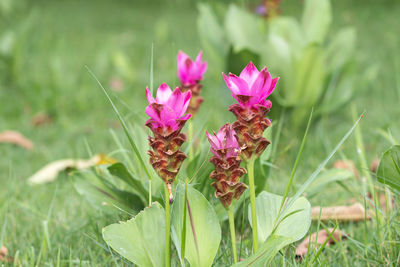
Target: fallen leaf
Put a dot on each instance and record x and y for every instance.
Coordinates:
(347, 165)
(323, 236)
(15, 138)
(50, 171)
(40, 119)
(116, 84)
(354, 213)
(4, 255)
(374, 165)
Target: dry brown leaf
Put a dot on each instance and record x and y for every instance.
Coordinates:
(4, 255)
(15, 138)
(116, 84)
(354, 213)
(374, 165)
(347, 165)
(41, 119)
(323, 235)
(50, 171)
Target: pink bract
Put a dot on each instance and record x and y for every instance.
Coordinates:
(252, 87)
(168, 108)
(224, 141)
(190, 72)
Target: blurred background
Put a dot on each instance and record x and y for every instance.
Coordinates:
(351, 61)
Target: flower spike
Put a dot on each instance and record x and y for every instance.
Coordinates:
(251, 89)
(190, 73)
(227, 173)
(167, 117)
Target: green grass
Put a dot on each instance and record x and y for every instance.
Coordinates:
(56, 40)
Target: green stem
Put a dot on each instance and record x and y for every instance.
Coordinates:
(167, 229)
(191, 141)
(250, 169)
(232, 228)
(149, 193)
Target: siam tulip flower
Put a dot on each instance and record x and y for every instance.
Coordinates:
(167, 117)
(251, 90)
(225, 149)
(190, 73)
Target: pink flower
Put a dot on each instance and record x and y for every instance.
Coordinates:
(252, 87)
(224, 143)
(190, 72)
(168, 109)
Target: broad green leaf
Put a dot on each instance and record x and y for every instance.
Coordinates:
(310, 76)
(244, 30)
(389, 168)
(325, 178)
(101, 194)
(266, 252)
(212, 35)
(203, 232)
(119, 170)
(141, 239)
(316, 20)
(341, 49)
(295, 223)
(341, 89)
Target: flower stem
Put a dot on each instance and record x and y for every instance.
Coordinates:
(167, 229)
(250, 169)
(191, 141)
(231, 216)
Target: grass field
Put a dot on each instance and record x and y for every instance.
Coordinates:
(48, 225)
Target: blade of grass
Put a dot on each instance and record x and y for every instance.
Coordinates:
(324, 244)
(305, 185)
(296, 163)
(124, 126)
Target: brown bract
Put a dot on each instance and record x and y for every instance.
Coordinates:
(166, 156)
(196, 99)
(249, 127)
(226, 178)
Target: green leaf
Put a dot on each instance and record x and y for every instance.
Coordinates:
(212, 35)
(316, 20)
(245, 30)
(101, 194)
(141, 239)
(119, 170)
(203, 232)
(294, 223)
(341, 49)
(266, 252)
(389, 168)
(325, 178)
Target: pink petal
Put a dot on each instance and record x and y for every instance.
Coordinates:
(163, 93)
(249, 73)
(152, 113)
(261, 84)
(238, 85)
(199, 56)
(150, 99)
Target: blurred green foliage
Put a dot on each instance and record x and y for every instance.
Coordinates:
(317, 69)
